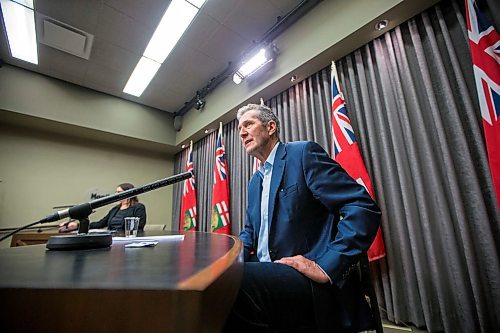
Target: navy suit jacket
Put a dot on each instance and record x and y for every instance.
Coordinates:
(317, 210)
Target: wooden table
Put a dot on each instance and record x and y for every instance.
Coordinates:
(177, 286)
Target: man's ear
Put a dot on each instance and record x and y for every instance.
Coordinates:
(271, 127)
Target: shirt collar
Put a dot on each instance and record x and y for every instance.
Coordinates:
(269, 160)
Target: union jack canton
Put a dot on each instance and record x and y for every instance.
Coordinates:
(484, 43)
(339, 112)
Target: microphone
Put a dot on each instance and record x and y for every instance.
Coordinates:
(59, 215)
(83, 240)
(85, 209)
(81, 212)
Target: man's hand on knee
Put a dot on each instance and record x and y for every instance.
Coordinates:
(306, 267)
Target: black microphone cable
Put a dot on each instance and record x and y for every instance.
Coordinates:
(22, 228)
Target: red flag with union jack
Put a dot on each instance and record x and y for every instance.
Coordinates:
(221, 222)
(256, 165)
(188, 206)
(484, 43)
(345, 151)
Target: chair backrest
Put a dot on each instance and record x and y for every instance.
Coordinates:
(365, 278)
(154, 227)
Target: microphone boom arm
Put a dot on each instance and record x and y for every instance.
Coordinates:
(82, 211)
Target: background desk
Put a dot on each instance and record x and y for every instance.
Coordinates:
(24, 238)
(176, 286)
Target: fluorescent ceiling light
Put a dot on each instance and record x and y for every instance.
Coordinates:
(141, 76)
(197, 3)
(252, 65)
(175, 21)
(171, 28)
(19, 18)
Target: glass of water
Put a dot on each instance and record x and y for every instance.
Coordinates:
(131, 226)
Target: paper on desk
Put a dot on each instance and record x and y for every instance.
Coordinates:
(102, 230)
(149, 238)
(142, 244)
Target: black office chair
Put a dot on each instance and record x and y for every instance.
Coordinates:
(366, 282)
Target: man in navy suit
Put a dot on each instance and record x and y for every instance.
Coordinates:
(307, 224)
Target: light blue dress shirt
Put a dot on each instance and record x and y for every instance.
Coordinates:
(266, 173)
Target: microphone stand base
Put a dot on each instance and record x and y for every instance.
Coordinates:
(79, 242)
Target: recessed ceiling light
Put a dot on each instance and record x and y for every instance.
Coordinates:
(175, 21)
(19, 21)
(143, 73)
(197, 3)
(381, 25)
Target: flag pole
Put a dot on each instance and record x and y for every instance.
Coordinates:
(335, 76)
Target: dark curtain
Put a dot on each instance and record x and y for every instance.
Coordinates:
(411, 95)
(304, 112)
(411, 99)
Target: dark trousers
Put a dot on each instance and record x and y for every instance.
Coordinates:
(272, 298)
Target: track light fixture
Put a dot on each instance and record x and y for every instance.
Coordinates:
(200, 103)
(254, 62)
(381, 25)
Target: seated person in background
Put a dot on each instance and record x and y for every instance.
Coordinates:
(115, 219)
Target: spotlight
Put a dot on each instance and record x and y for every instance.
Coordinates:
(200, 104)
(381, 25)
(254, 63)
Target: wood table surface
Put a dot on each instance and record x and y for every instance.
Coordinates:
(178, 285)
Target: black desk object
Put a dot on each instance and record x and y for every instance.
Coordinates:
(176, 286)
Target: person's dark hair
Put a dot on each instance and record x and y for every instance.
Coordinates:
(128, 186)
(264, 114)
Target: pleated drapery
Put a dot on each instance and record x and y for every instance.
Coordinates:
(411, 99)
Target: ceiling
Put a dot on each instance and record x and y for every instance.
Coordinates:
(223, 32)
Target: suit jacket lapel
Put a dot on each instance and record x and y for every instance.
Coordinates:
(278, 171)
(259, 199)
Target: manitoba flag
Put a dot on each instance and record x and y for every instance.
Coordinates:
(484, 43)
(345, 151)
(188, 206)
(221, 222)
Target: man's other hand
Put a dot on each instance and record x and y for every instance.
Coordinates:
(306, 267)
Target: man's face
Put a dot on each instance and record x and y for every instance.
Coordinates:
(255, 137)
